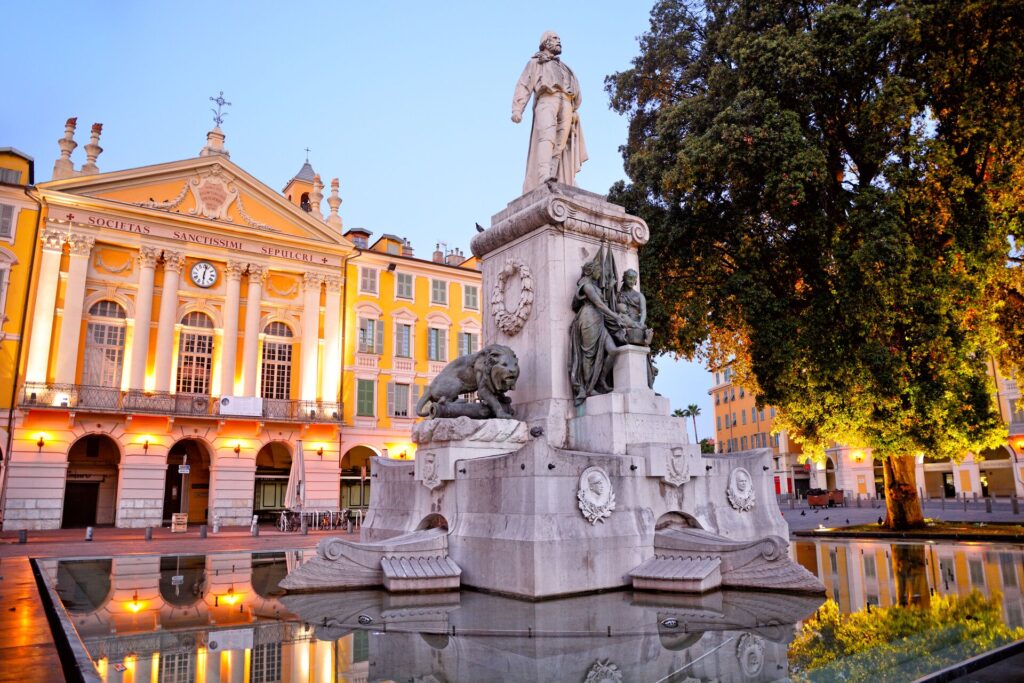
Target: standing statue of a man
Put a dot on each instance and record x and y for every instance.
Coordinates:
(557, 150)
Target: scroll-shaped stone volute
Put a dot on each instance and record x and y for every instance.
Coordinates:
(490, 372)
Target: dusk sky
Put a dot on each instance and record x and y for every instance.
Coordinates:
(407, 103)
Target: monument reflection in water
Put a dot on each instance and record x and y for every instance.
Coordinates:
(223, 618)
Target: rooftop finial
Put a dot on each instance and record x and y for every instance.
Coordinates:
(307, 153)
(218, 115)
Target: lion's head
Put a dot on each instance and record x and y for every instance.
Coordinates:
(500, 367)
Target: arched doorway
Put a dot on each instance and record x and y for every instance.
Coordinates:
(187, 485)
(273, 463)
(830, 475)
(90, 489)
(355, 477)
(995, 471)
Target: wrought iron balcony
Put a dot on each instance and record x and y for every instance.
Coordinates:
(81, 397)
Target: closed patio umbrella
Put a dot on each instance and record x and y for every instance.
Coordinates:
(296, 476)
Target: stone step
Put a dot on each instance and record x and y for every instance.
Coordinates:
(678, 574)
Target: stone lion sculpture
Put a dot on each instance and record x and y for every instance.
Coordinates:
(490, 372)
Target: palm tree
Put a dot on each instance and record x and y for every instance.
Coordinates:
(692, 411)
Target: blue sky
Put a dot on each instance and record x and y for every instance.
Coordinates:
(407, 103)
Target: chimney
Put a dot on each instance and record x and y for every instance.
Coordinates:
(334, 201)
(92, 151)
(215, 144)
(454, 257)
(63, 167)
(438, 256)
(406, 247)
(316, 197)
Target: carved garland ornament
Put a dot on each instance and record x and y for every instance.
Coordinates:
(595, 495)
(512, 323)
(604, 672)
(740, 490)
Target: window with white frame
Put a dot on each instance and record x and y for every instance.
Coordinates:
(7, 212)
(403, 340)
(104, 345)
(371, 336)
(439, 292)
(365, 395)
(468, 343)
(437, 344)
(195, 354)
(276, 375)
(398, 399)
(471, 297)
(404, 285)
(368, 280)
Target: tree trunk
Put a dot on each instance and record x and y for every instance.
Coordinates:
(911, 574)
(902, 505)
(695, 437)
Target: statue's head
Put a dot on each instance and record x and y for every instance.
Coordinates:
(629, 278)
(592, 269)
(550, 42)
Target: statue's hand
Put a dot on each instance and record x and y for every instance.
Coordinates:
(516, 118)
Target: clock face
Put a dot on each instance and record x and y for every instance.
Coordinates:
(204, 274)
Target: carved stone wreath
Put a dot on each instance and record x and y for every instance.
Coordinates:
(740, 490)
(750, 653)
(595, 495)
(604, 672)
(512, 322)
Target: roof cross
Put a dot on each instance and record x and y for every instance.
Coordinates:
(218, 115)
(307, 154)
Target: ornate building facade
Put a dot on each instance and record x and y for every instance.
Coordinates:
(174, 332)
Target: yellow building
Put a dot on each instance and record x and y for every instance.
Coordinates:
(405, 318)
(19, 216)
(183, 334)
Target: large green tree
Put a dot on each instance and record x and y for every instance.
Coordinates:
(830, 188)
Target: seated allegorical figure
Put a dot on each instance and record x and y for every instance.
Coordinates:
(633, 305)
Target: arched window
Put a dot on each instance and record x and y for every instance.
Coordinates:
(276, 378)
(195, 354)
(104, 347)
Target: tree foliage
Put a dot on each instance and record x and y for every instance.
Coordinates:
(897, 643)
(830, 188)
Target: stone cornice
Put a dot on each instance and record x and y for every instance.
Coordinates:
(566, 208)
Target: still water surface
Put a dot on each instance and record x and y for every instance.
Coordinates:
(222, 617)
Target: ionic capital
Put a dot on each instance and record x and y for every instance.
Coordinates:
(174, 261)
(81, 245)
(148, 256)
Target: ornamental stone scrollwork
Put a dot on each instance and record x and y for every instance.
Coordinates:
(250, 221)
(52, 239)
(148, 256)
(258, 273)
(595, 497)
(512, 322)
(333, 282)
(750, 653)
(234, 270)
(81, 245)
(174, 261)
(312, 280)
(168, 205)
(740, 490)
(677, 465)
(604, 672)
(213, 193)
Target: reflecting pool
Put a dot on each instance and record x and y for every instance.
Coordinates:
(222, 617)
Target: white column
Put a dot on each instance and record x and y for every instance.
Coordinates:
(143, 317)
(251, 343)
(332, 338)
(46, 300)
(173, 262)
(310, 333)
(80, 246)
(229, 352)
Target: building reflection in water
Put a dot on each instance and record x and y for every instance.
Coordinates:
(223, 618)
(858, 573)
